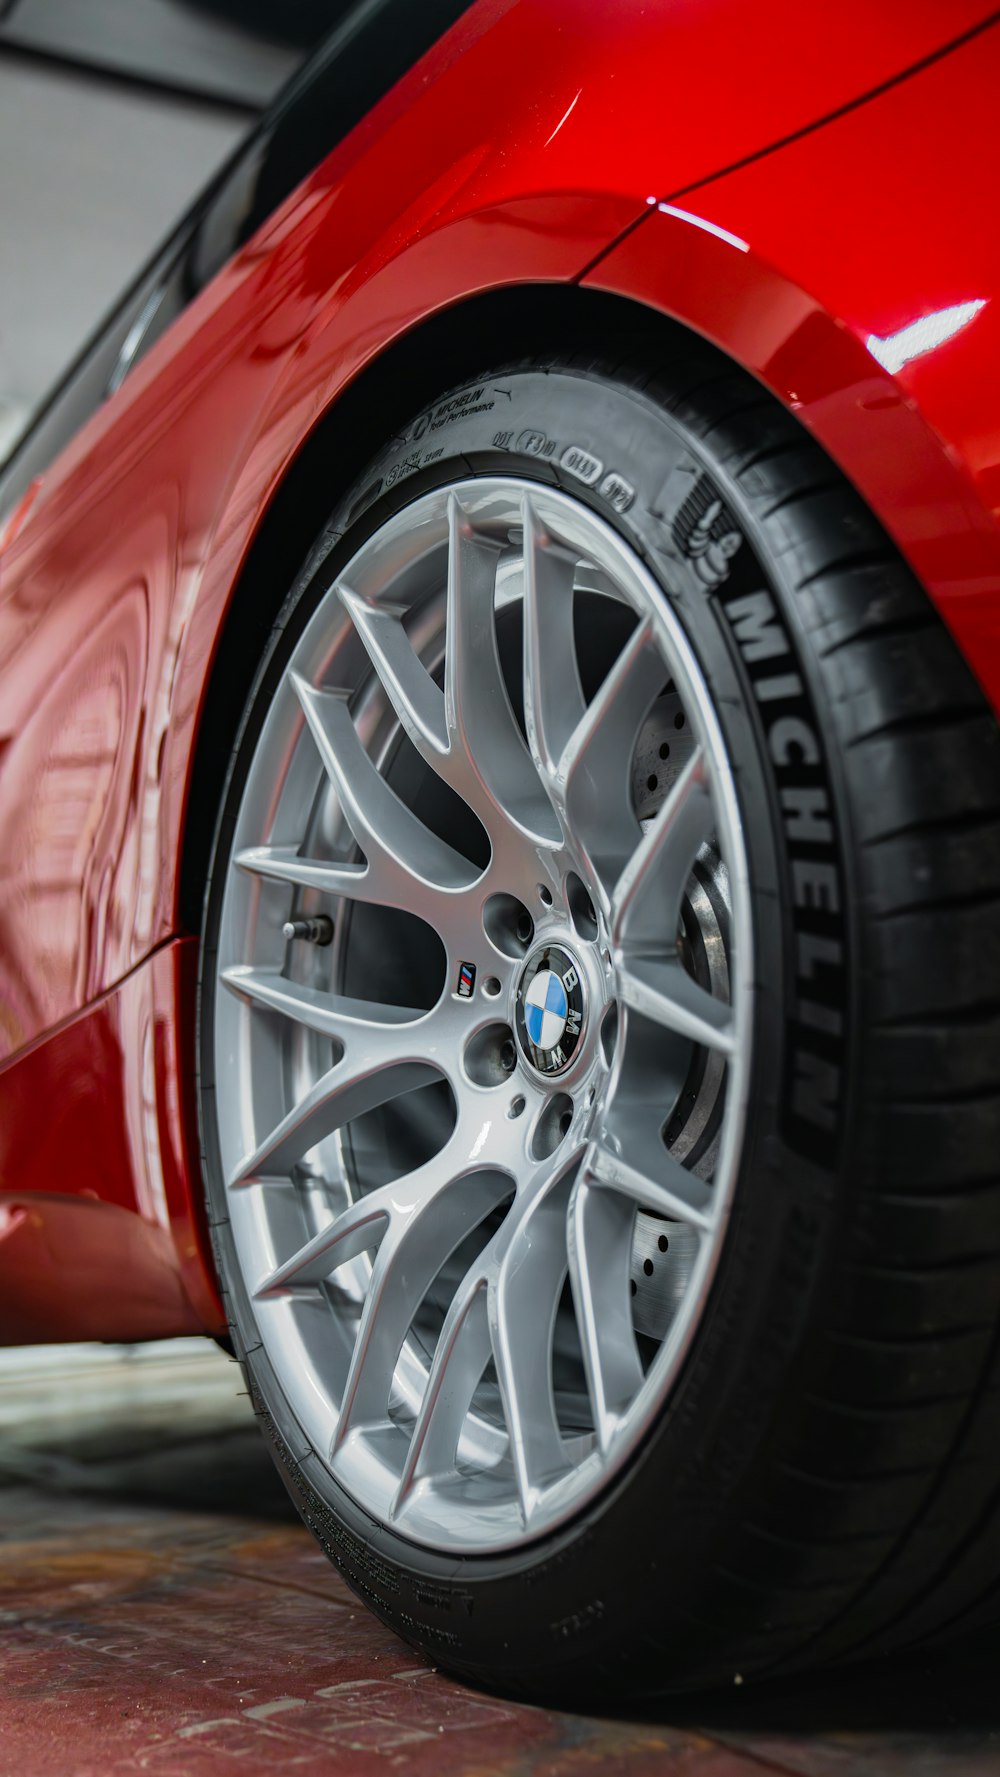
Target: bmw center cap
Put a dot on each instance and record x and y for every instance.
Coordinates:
(550, 1009)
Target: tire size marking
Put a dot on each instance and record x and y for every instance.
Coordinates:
(586, 1616)
(812, 1100)
(581, 463)
(575, 460)
(619, 493)
(429, 1631)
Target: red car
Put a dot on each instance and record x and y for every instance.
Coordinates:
(500, 811)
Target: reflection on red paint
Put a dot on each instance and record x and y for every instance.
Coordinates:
(922, 335)
(102, 1230)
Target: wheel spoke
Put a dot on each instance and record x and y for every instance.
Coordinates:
(647, 896)
(460, 1357)
(499, 778)
(383, 1057)
(651, 1177)
(282, 863)
(553, 701)
(405, 857)
(331, 1015)
(417, 701)
(505, 1307)
(628, 1153)
(666, 993)
(600, 1235)
(595, 771)
(409, 1257)
(524, 1294)
(359, 1229)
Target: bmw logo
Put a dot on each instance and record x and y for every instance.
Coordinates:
(550, 1009)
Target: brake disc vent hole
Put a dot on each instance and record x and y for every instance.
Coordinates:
(661, 1269)
(663, 748)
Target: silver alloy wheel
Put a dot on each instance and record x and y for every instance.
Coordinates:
(469, 1089)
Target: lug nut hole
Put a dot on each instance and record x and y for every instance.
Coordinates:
(581, 908)
(552, 1125)
(490, 1056)
(508, 925)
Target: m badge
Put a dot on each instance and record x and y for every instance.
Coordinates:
(466, 980)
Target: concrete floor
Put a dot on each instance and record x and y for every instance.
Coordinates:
(162, 1610)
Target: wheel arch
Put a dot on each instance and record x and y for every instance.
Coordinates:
(890, 436)
(663, 284)
(425, 361)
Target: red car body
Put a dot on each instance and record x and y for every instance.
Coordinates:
(801, 191)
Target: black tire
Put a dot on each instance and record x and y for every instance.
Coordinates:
(825, 1480)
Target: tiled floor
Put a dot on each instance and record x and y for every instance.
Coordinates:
(162, 1610)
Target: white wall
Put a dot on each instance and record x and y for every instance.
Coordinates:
(92, 175)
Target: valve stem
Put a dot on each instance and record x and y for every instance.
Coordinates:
(314, 931)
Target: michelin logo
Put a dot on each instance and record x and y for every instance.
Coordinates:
(704, 532)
